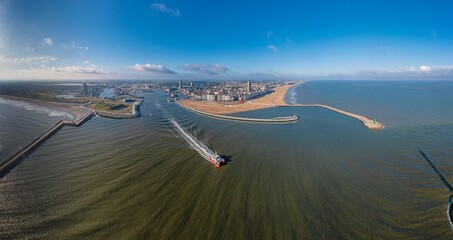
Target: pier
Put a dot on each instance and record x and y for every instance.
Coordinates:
(263, 120)
(15, 159)
(370, 124)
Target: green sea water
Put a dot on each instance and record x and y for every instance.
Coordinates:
(325, 176)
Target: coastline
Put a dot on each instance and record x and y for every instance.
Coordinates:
(275, 99)
(76, 111)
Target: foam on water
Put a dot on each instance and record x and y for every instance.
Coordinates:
(292, 96)
(32, 107)
(193, 142)
(59, 114)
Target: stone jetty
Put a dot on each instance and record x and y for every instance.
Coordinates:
(227, 117)
(15, 159)
(370, 124)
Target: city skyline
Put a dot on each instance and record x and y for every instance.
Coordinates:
(196, 40)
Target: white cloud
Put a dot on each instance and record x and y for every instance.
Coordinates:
(32, 59)
(412, 69)
(47, 41)
(155, 68)
(424, 68)
(267, 74)
(43, 73)
(163, 8)
(210, 69)
(272, 48)
(91, 69)
(410, 72)
(39, 69)
(80, 49)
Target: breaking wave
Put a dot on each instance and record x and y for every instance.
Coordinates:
(292, 96)
(33, 107)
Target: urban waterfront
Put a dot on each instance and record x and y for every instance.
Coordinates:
(324, 176)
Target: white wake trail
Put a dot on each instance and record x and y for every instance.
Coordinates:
(193, 142)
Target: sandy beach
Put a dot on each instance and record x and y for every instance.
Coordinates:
(77, 111)
(275, 99)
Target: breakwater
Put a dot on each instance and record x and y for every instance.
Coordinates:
(15, 159)
(370, 124)
(263, 120)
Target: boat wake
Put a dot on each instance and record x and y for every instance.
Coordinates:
(445, 182)
(450, 211)
(192, 141)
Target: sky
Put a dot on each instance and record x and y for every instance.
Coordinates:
(226, 40)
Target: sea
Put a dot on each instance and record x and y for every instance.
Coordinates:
(325, 176)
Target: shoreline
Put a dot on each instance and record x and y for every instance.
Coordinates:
(275, 99)
(76, 111)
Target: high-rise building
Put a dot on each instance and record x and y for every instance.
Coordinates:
(249, 87)
(85, 89)
(180, 85)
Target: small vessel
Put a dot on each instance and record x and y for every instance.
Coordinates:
(216, 159)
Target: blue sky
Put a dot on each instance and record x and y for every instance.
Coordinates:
(226, 39)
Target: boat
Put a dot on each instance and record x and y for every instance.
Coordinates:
(216, 159)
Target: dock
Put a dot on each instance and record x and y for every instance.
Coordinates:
(370, 124)
(15, 159)
(227, 117)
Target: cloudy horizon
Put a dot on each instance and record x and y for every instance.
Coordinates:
(174, 40)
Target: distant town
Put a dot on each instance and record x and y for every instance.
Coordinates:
(125, 90)
(119, 99)
(194, 90)
(222, 91)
